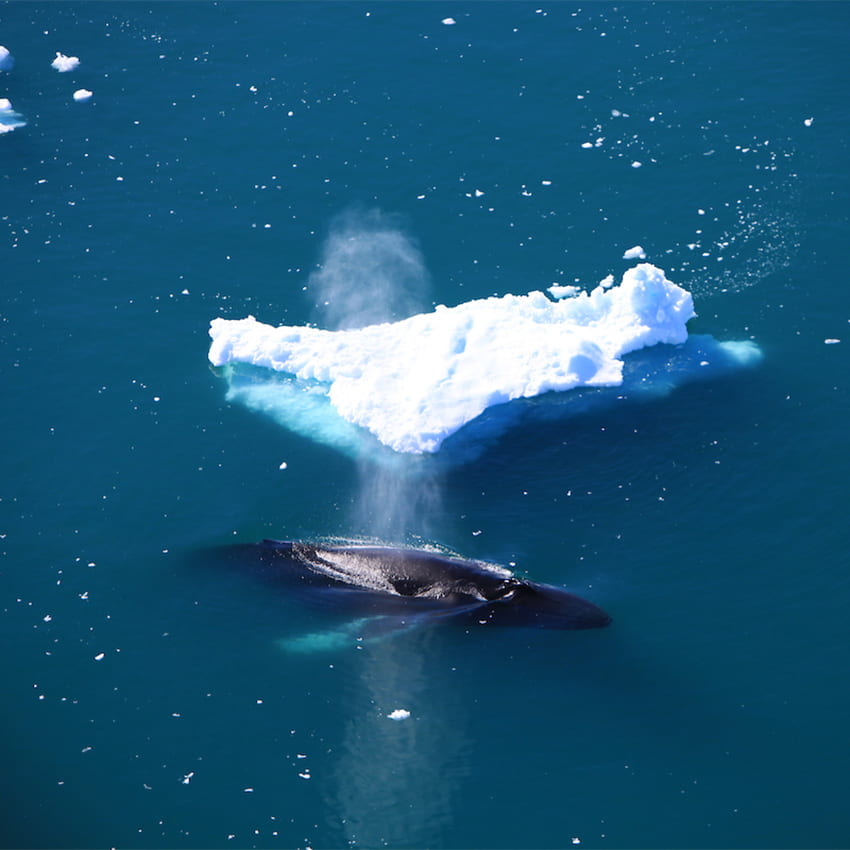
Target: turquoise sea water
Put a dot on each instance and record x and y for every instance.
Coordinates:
(148, 701)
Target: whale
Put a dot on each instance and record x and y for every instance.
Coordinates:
(394, 587)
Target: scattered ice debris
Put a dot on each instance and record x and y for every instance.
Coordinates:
(636, 253)
(305, 774)
(448, 22)
(9, 119)
(82, 95)
(187, 778)
(7, 61)
(63, 63)
(808, 121)
(399, 714)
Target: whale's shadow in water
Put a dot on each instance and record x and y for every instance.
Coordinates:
(375, 590)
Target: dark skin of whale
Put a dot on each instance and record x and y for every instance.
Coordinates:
(415, 584)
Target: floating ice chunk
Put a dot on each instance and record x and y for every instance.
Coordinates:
(415, 382)
(808, 121)
(448, 22)
(607, 281)
(82, 95)
(399, 714)
(831, 341)
(7, 61)
(559, 291)
(637, 164)
(63, 63)
(9, 119)
(636, 253)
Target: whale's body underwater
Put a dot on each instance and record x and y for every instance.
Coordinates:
(388, 588)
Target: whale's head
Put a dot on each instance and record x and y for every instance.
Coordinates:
(544, 606)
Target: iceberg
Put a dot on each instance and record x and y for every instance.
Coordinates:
(414, 383)
(7, 61)
(63, 63)
(9, 119)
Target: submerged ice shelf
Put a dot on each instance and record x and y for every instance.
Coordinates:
(415, 382)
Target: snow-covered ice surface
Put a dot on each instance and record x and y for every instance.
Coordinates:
(415, 383)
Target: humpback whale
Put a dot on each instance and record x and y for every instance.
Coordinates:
(394, 587)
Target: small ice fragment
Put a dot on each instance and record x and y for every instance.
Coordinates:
(563, 291)
(399, 714)
(637, 164)
(305, 775)
(636, 253)
(587, 145)
(283, 465)
(188, 777)
(831, 341)
(545, 182)
(100, 656)
(63, 63)
(576, 841)
(607, 281)
(700, 212)
(448, 22)
(82, 95)
(808, 121)
(248, 790)
(9, 119)
(7, 62)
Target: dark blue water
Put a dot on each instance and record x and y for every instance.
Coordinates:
(148, 701)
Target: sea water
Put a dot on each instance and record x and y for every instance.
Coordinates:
(332, 166)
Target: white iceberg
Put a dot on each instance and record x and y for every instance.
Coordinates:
(7, 61)
(9, 119)
(636, 253)
(63, 63)
(82, 95)
(415, 382)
